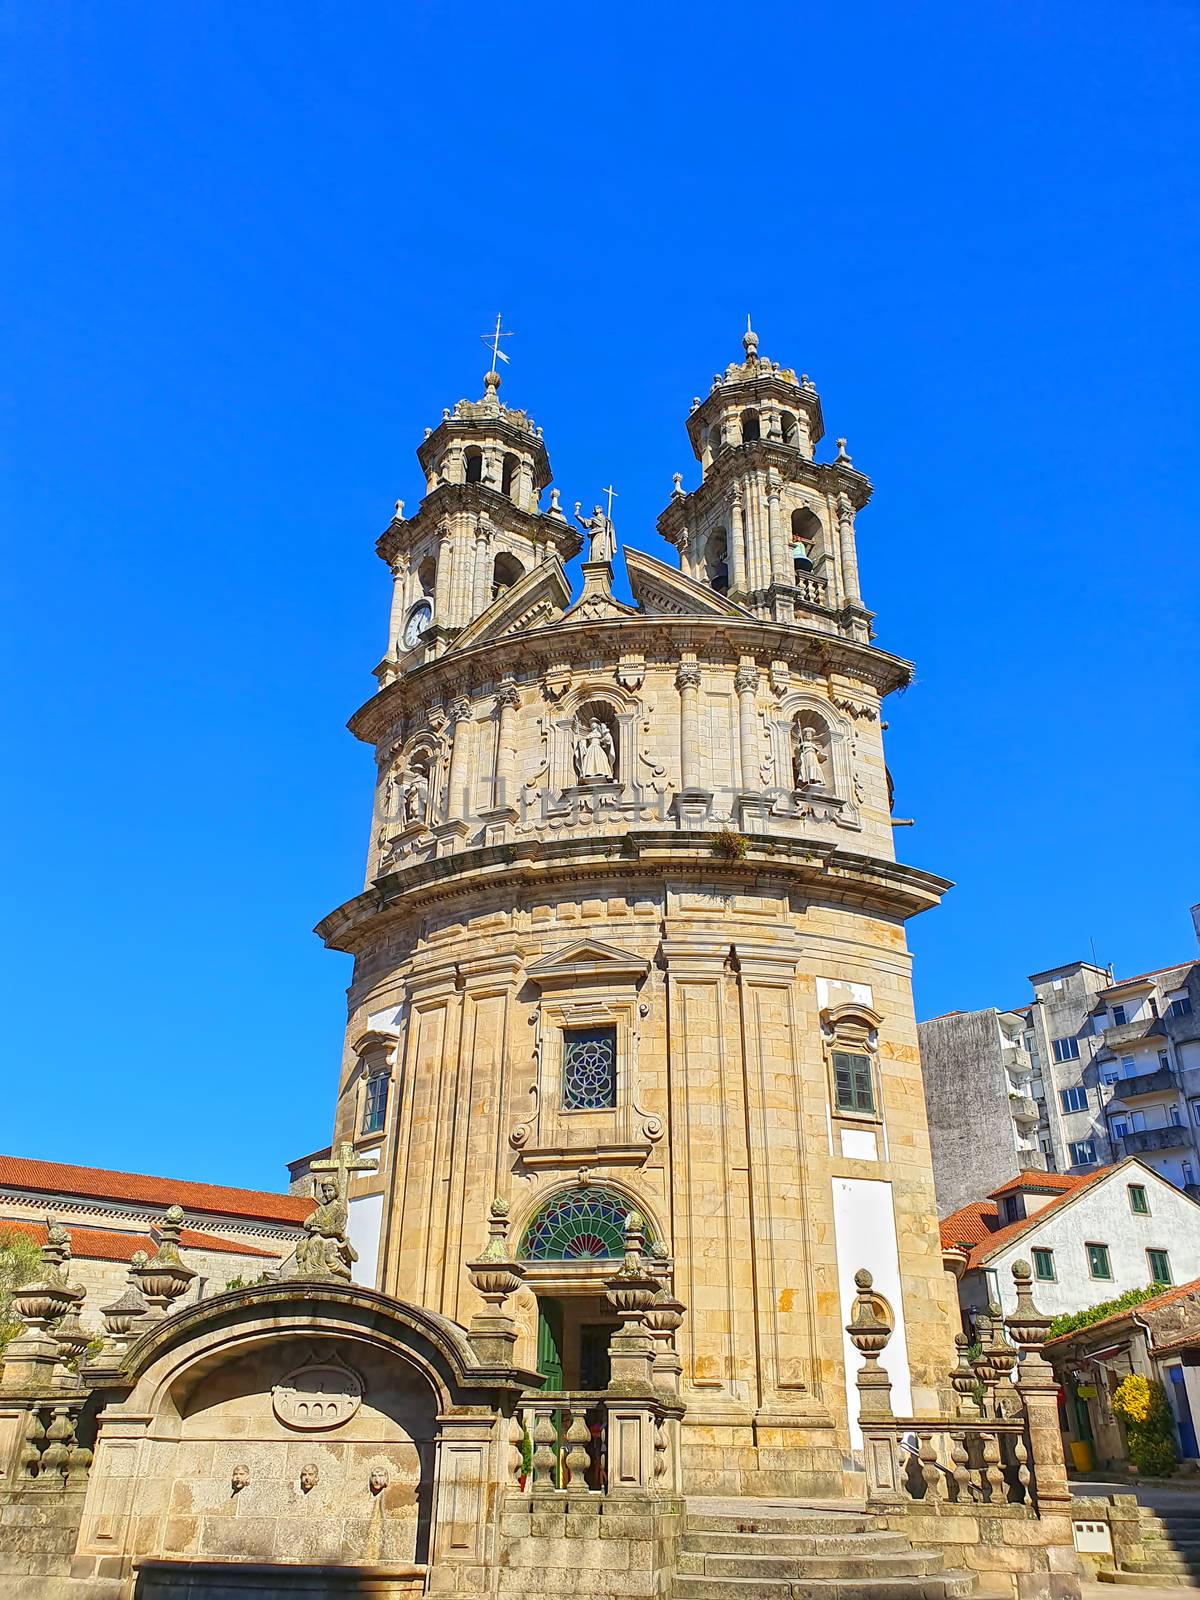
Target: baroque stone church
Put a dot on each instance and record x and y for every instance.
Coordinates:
(630, 1216)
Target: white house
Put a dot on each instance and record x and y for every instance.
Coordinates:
(1088, 1238)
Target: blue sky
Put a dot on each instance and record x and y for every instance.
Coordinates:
(248, 252)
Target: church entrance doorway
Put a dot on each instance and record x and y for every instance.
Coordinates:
(573, 1335)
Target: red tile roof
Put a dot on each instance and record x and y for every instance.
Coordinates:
(1156, 972)
(97, 1183)
(1180, 1292)
(103, 1244)
(974, 1227)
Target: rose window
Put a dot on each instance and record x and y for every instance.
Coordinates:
(590, 1069)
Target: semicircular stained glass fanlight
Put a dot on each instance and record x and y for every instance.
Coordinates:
(581, 1225)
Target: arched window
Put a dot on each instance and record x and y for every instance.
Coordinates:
(791, 433)
(506, 570)
(581, 1225)
(508, 474)
(716, 560)
(427, 576)
(806, 534)
(750, 427)
(474, 463)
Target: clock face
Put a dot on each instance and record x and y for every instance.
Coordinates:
(418, 620)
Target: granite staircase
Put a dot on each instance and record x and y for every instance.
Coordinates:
(772, 1550)
(1171, 1542)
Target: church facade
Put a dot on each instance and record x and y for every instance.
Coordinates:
(632, 935)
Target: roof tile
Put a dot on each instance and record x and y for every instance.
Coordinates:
(98, 1183)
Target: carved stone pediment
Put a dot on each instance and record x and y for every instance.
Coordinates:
(539, 597)
(588, 960)
(663, 591)
(319, 1394)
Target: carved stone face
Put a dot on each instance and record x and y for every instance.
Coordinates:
(328, 1191)
(308, 1477)
(378, 1480)
(239, 1479)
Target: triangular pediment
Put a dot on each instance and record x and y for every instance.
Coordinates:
(534, 600)
(663, 591)
(588, 959)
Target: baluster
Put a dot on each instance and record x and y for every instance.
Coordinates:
(993, 1478)
(545, 1452)
(1024, 1477)
(930, 1471)
(516, 1437)
(660, 1448)
(577, 1457)
(35, 1436)
(958, 1467)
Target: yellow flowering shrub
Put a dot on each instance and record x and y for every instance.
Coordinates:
(1131, 1399)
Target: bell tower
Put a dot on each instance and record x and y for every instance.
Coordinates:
(769, 525)
(477, 531)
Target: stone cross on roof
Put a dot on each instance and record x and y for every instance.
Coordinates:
(344, 1162)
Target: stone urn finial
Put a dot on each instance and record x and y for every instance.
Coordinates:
(493, 1274)
(634, 1285)
(869, 1329)
(121, 1316)
(164, 1277)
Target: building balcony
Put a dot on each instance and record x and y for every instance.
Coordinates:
(1025, 1111)
(1158, 1082)
(1128, 1033)
(1141, 1140)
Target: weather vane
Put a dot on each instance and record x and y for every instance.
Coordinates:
(492, 340)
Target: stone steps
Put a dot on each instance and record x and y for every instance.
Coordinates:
(945, 1586)
(1147, 1580)
(795, 1544)
(772, 1550)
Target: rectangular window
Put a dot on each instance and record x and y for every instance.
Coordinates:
(1181, 1006)
(853, 1086)
(1043, 1266)
(1074, 1099)
(1118, 1016)
(1098, 1263)
(1129, 1066)
(1139, 1202)
(589, 1077)
(1108, 1072)
(1164, 1060)
(375, 1103)
(1160, 1266)
(1012, 1210)
(1066, 1049)
(1117, 1127)
(1196, 1111)
(1083, 1153)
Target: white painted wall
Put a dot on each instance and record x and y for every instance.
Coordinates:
(366, 1220)
(864, 1225)
(1103, 1216)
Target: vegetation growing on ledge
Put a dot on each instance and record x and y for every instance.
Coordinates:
(730, 845)
(1071, 1320)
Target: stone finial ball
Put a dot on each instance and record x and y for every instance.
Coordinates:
(499, 1207)
(175, 1213)
(635, 1219)
(1021, 1272)
(863, 1279)
(139, 1258)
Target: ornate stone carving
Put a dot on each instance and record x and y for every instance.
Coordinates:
(688, 675)
(326, 1251)
(378, 1481)
(309, 1475)
(603, 540)
(319, 1395)
(746, 680)
(165, 1277)
(593, 752)
(239, 1479)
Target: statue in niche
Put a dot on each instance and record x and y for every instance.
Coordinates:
(807, 757)
(594, 752)
(412, 785)
(603, 545)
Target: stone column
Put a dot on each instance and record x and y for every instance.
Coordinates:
(687, 681)
(780, 565)
(445, 576)
(684, 546)
(737, 544)
(482, 594)
(846, 540)
(458, 776)
(746, 684)
(399, 601)
(507, 701)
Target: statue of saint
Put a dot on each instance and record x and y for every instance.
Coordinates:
(594, 752)
(416, 794)
(807, 752)
(326, 1251)
(603, 546)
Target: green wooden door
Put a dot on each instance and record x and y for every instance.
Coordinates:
(549, 1343)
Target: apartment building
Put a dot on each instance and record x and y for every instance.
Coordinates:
(1111, 1068)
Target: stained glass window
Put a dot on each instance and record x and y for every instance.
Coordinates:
(589, 1069)
(581, 1225)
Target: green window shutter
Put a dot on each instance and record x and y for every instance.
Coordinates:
(854, 1089)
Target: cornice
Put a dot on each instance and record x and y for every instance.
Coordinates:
(522, 435)
(731, 391)
(479, 499)
(731, 465)
(657, 639)
(821, 873)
